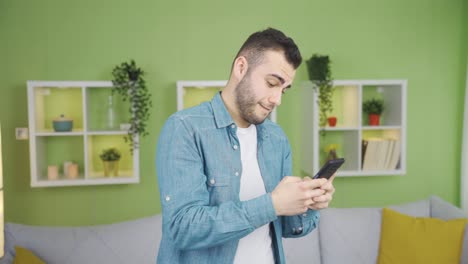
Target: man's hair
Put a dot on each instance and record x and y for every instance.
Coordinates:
(269, 39)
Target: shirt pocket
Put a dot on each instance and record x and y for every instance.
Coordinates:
(220, 189)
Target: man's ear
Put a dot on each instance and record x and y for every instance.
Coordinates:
(240, 67)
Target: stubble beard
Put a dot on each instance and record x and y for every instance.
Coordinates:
(246, 104)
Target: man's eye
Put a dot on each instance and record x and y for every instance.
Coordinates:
(270, 84)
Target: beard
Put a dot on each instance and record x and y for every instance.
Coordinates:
(246, 102)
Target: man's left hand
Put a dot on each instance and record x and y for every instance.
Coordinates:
(322, 201)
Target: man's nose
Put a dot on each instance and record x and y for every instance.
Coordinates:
(275, 98)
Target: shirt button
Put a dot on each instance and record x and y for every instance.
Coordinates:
(237, 173)
(235, 146)
(299, 230)
(212, 181)
(168, 198)
(233, 126)
(304, 215)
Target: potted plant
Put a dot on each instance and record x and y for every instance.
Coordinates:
(110, 158)
(374, 108)
(330, 150)
(318, 67)
(129, 83)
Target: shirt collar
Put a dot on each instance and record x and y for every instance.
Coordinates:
(224, 119)
(221, 114)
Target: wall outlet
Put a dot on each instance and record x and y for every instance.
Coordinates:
(22, 133)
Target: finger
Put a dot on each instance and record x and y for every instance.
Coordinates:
(312, 184)
(332, 178)
(326, 198)
(316, 206)
(319, 206)
(328, 186)
(307, 178)
(309, 202)
(313, 193)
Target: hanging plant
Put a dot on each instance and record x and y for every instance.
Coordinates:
(129, 83)
(318, 67)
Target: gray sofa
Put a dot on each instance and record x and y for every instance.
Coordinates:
(345, 235)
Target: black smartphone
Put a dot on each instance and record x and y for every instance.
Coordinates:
(329, 168)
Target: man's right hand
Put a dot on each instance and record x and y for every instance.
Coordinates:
(293, 196)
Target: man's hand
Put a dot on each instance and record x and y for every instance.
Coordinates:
(293, 196)
(322, 201)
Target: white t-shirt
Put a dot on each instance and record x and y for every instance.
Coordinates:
(256, 247)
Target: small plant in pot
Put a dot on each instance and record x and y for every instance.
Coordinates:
(330, 150)
(374, 108)
(110, 158)
(129, 83)
(318, 67)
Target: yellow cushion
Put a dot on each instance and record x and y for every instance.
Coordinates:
(405, 239)
(25, 256)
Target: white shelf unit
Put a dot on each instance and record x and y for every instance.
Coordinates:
(352, 127)
(86, 103)
(192, 93)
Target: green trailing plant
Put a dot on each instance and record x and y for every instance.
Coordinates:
(110, 154)
(318, 67)
(129, 83)
(373, 106)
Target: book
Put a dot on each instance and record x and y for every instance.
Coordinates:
(396, 152)
(363, 151)
(371, 155)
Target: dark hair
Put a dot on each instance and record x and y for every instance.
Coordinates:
(270, 39)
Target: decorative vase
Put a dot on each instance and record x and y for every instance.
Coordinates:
(111, 167)
(374, 119)
(331, 121)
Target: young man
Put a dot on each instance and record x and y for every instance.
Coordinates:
(224, 168)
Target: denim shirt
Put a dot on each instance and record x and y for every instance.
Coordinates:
(199, 167)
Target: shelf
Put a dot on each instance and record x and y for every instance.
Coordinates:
(352, 128)
(381, 127)
(97, 122)
(108, 132)
(356, 173)
(338, 128)
(97, 181)
(60, 134)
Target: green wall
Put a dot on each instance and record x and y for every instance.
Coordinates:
(421, 41)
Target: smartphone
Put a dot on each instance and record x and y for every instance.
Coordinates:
(329, 168)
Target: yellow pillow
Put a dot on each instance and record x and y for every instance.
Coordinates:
(25, 256)
(405, 239)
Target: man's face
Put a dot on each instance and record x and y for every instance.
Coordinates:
(260, 91)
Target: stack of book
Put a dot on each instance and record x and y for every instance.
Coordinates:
(380, 153)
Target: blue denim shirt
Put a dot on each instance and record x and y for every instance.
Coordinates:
(199, 166)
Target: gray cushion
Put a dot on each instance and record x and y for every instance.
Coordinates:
(303, 249)
(127, 242)
(445, 210)
(352, 235)
(420, 208)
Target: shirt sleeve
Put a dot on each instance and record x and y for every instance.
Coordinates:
(188, 217)
(298, 225)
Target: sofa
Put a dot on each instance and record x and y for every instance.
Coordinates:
(344, 235)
